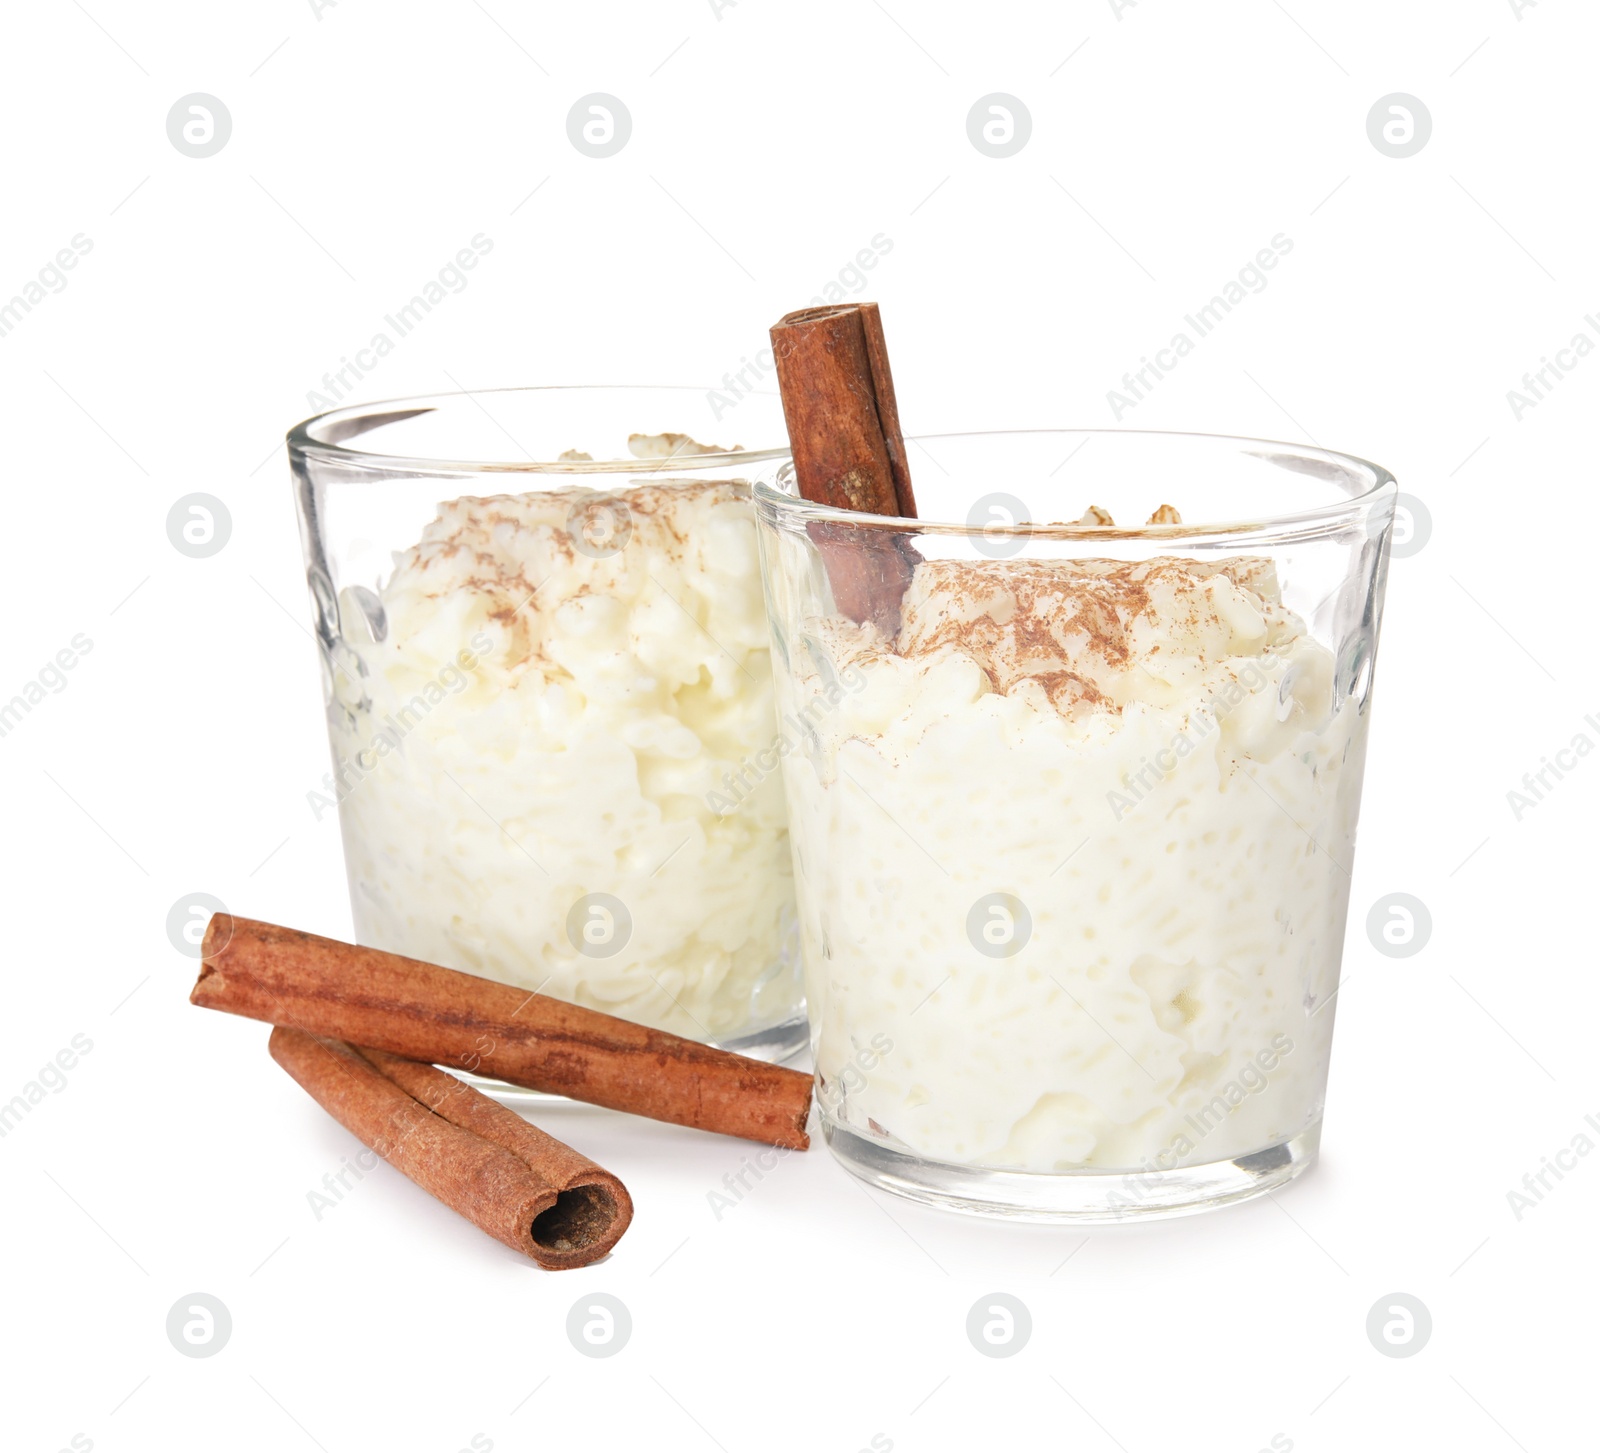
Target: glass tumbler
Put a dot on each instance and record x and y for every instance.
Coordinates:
(1073, 806)
(547, 675)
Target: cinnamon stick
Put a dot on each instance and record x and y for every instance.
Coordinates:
(844, 434)
(423, 1012)
(485, 1162)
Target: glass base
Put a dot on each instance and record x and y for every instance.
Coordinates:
(1087, 1197)
(776, 1045)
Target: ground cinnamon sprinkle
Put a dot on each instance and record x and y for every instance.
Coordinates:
(490, 527)
(1070, 626)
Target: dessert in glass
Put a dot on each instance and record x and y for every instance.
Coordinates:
(548, 687)
(1073, 812)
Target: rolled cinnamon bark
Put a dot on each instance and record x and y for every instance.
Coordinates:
(485, 1162)
(844, 433)
(423, 1012)
(839, 404)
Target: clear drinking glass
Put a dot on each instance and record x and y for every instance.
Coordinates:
(547, 674)
(1073, 835)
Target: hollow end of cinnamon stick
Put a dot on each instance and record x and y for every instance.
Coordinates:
(591, 1209)
(510, 1179)
(582, 1219)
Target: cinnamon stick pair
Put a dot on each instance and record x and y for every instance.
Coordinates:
(485, 1162)
(844, 433)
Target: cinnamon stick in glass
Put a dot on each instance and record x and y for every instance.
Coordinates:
(844, 434)
(423, 1012)
(485, 1162)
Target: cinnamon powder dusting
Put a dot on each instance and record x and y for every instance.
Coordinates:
(1079, 628)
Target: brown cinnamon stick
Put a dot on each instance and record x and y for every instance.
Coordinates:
(423, 1012)
(485, 1162)
(844, 433)
(839, 404)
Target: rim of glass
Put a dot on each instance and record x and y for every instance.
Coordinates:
(1337, 512)
(322, 436)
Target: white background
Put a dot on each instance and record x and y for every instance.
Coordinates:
(770, 143)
